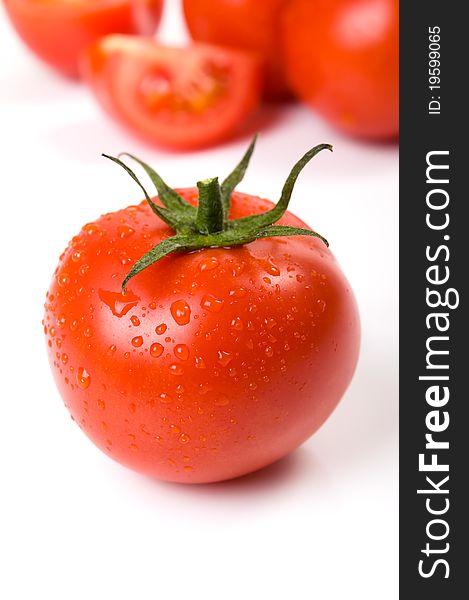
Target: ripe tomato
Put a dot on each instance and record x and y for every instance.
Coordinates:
(182, 98)
(57, 31)
(245, 24)
(342, 58)
(214, 362)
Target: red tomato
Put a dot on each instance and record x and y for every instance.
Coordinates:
(246, 24)
(57, 31)
(182, 98)
(342, 59)
(215, 362)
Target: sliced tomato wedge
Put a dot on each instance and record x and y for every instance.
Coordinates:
(181, 98)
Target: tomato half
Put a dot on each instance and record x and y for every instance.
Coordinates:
(247, 25)
(342, 58)
(57, 31)
(215, 362)
(182, 98)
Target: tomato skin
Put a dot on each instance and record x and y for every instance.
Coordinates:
(58, 31)
(202, 94)
(342, 58)
(247, 25)
(216, 362)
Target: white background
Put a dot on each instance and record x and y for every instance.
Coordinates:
(75, 525)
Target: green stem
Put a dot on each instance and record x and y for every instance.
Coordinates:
(210, 211)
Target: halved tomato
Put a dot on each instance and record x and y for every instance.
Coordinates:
(181, 98)
(58, 31)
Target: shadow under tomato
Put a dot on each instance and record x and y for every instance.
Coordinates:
(365, 423)
(288, 473)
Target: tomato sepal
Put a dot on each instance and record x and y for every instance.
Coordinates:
(208, 226)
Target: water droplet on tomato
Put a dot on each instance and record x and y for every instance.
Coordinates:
(184, 438)
(119, 304)
(88, 332)
(269, 351)
(83, 378)
(90, 228)
(61, 321)
(83, 270)
(224, 358)
(272, 268)
(204, 388)
(237, 324)
(64, 359)
(181, 312)
(137, 341)
(111, 350)
(101, 404)
(238, 268)
(132, 407)
(124, 231)
(238, 292)
(165, 398)
(135, 320)
(212, 303)
(208, 264)
(156, 350)
(222, 400)
(181, 351)
(124, 258)
(160, 329)
(176, 370)
(321, 304)
(63, 279)
(199, 362)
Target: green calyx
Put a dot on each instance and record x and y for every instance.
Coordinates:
(208, 225)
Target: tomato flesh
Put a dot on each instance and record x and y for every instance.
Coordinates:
(181, 98)
(216, 362)
(58, 31)
(342, 58)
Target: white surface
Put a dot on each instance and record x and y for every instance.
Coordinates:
(75, 525)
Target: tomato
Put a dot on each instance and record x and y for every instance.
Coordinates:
(57, 31)
(245, 24)
(342, 59)
(215, 362)
(181, 98)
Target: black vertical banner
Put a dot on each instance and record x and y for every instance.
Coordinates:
(434, 335)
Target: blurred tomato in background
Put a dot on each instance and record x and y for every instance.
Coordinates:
(57, 31)
(181, 98)
(342, 59)
(244, 24)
